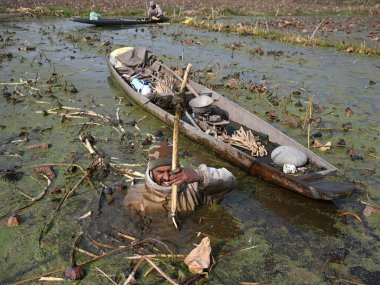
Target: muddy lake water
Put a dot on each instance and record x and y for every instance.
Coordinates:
(260, 232)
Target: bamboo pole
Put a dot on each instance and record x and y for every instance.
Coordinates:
(309, 120)
(175, 159)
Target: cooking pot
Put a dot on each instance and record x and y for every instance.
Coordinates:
(201, 104)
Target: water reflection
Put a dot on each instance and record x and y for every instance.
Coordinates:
(278, 207)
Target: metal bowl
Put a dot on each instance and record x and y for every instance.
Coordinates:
(201, 104)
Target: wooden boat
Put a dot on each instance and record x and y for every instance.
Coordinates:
(111, 22)
(311, 184)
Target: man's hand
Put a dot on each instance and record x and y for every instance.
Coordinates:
(155, 18)
(183, 175)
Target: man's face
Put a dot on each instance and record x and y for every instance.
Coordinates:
(161, 175)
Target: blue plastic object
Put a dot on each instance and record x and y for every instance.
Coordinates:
(137, 84)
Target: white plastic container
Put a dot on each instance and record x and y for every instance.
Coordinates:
(289, 168)
(146, 89)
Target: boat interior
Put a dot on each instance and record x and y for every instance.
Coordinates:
(201, 112)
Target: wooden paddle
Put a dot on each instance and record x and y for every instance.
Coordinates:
(175, 159)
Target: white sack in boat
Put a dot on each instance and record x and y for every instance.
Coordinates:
(288, 155)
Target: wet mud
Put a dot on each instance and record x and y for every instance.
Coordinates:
(54, 69)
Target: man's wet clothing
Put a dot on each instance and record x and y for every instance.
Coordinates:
(150, 197)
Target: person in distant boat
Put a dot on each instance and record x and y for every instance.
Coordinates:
(201, 186)
(154, 11)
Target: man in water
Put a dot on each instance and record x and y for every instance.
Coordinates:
(154, 11)
(201, 186)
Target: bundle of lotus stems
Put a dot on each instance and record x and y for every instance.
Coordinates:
(165, 86)
(246, 140)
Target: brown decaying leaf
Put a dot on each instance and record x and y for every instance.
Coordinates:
(233, 84)
(38, 146)
(349, 111)
(318, 108)
(258, 88)
(199, 258)
(341, 142)
(258, 50)
(106, 43)
(317, 120)
(191, 41)
(55, 190)
(371, 151)
(99, 167)
(13, 220)
(355, 155)
(75, 272)
(350, 151)
(369, 210)
(298, 104)
(237, 45)
(317, 144)
(47, 170)
(291, 121)
(271, 114)
(347, 126)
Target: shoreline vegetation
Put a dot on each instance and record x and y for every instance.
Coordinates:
(204, 16)
(296, 39)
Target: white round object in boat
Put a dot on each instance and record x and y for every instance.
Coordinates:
(288, 155)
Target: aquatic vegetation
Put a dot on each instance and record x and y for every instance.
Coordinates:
(260, 233)
(252, 30)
